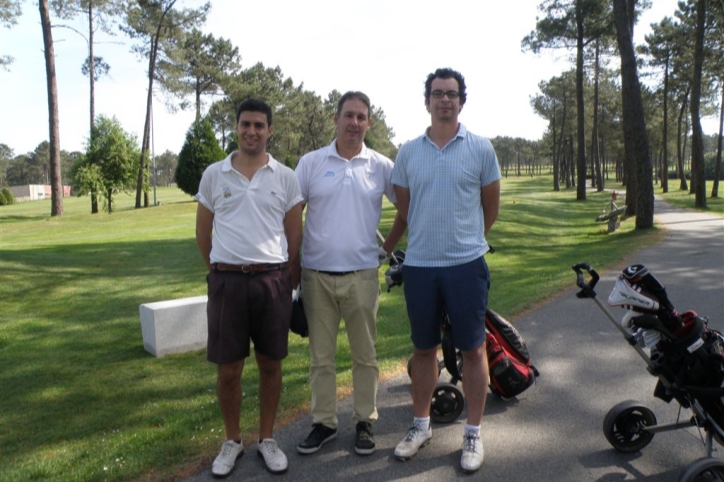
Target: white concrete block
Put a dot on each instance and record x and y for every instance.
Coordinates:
(174, 326)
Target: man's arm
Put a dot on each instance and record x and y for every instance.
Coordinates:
(393, 237)
(293, 231)
(403, 203)
(399, 225)
(490, 199)
(204, 228)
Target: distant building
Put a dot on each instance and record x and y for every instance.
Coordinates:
(34, 192)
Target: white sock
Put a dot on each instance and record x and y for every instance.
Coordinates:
(473, 429)
(422, 423)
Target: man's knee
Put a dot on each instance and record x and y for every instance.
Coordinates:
(268, 366)
(476, 354)
(230, 373)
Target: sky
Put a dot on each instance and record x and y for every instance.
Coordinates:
(385, 48)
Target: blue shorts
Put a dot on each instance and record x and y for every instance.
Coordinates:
(462, 290)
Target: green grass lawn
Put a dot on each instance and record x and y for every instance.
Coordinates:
(81, 399)
(685, 200)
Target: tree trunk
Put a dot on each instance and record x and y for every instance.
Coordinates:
(56, 183)
(198, 102)
(143, 164)
(698, 176)
(595, 157)
(571, 163)
(556, 160)
(581, 137)
(665, 159)
(717, 166)
(91, 66)
(683, 186)
(634, 110)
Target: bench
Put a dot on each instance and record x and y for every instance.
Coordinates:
(174, 326)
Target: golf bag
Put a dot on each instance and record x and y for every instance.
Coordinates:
(511, 371)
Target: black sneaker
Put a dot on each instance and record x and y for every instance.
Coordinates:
(364, 441)
(319, 436)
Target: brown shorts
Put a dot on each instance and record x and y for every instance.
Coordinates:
(246, 307)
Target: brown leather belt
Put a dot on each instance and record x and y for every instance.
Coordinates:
(249, 268)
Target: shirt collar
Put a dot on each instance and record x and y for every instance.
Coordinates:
(462, 132)
(363, 154)
(271, 164)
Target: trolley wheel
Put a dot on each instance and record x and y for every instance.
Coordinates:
(624, 426)
(447, 403)
(702, 470)
(409, 368)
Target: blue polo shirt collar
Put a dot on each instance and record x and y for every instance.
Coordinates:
(462, 134)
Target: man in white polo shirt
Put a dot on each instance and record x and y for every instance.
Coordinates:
(252, 205)
(343, 185)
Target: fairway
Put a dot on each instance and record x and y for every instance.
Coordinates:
(82, 400)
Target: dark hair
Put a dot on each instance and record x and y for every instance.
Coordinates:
(446, 74)
(354, 95)
(255, 105)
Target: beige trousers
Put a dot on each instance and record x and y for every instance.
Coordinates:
(327, 299)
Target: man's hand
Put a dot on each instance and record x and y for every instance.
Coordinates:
(382, 256)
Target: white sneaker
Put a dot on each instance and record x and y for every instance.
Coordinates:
(472, 457)
(274, 458)
(224, 463)
(413, 441)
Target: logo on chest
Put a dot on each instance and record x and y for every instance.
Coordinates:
(226, 192)
(329, 174)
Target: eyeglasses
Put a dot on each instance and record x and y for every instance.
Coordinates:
(451, 94)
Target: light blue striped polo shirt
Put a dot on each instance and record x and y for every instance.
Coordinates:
(445, 219)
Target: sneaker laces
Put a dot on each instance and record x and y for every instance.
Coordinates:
(469, 444)
(364, 435)
(228, 447)
(270, 446)
(412, 433)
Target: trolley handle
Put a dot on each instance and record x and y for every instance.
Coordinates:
(586, 288)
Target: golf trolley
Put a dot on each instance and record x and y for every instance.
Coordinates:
(681, 350)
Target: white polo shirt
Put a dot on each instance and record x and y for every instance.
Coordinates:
(249, 215)
(344, 205)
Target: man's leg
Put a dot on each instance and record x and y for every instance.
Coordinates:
(424, 308)
(228, 389)
(475, 382)
(323, 317)
(424, 379)
(270, 389)
(359, 300)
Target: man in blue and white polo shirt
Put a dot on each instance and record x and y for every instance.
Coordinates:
(447, 183)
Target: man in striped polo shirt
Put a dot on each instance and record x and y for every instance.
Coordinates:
(447, 183)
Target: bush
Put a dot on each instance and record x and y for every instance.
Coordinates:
(200, 150)
(8, 194)
(3, 199)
